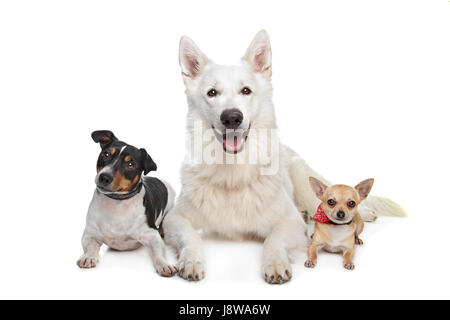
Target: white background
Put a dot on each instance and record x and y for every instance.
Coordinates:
(361, 89)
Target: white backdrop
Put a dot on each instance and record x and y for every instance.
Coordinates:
(367, 81)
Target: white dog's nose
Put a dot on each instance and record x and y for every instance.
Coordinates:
(231, 118)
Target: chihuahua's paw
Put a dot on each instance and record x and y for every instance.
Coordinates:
(277, 272)
(87, 261)
(166, 270)
(310, 264)
(367, 214)
(191, 268)
(349, 265)
(358, 241)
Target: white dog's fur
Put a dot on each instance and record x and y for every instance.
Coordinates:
(236, 200)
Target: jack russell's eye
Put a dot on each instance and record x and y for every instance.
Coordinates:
(105, 154)
(351, 204)
(331, 203)
(246, 91)
(212, 93)
(130, 165)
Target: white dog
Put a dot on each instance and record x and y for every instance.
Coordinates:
(236, 196)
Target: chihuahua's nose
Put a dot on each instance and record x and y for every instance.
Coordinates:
(104, 179)
(340, 214)
(231, 118)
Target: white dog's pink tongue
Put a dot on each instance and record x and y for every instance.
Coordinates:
(233, 143)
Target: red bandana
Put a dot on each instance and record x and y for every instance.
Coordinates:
(321, 217)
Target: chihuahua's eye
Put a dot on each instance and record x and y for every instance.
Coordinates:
(212, 93)
(331, 203)
(105, 154)
(246, 91)
(351, 204)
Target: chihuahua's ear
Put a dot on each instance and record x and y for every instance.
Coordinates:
(318, 187)
(104, 137)
(364, 188)
(147, 162)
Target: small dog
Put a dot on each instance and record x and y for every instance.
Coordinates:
(338, 223)
(127, 209)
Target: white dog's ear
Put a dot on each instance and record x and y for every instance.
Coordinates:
(318, 187)
(364, 188)
(192, 60)
(259, 54)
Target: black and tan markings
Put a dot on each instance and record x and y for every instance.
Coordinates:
(126, 164)
(155, 200)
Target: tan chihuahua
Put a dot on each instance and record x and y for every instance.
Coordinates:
(338, 223)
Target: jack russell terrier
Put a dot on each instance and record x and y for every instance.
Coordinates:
(128, 208)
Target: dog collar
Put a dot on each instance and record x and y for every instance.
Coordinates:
(124, 196)
(321, 217)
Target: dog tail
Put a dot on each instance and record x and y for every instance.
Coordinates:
(385, 207)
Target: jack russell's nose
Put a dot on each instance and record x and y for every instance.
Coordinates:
(231, 118)
(340, 214)
(104, 179)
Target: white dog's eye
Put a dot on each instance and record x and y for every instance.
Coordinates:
(246, 91)
(212, 93)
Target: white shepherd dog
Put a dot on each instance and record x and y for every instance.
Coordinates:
(237, 180)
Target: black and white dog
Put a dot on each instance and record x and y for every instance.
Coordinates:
(127, 208)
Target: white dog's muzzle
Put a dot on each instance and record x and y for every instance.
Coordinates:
(233, 140)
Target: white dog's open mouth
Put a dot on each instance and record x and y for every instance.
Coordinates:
(233, 140)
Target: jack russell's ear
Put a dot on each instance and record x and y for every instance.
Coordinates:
(318, 187)
(259, 55)
(192, 60)
(104, 137)
(364, 188)
(147, 162)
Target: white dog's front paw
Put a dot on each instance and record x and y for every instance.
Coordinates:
(191, 268)
(367, 214)
(87, 261)
(277, 272)
(165, 269)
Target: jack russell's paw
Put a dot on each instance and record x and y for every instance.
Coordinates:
(367, 214)
(166, 270)
(310, 264)
(87, 261)
(277, 272)
(358, 241)
(191, 268)
(349, 266)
